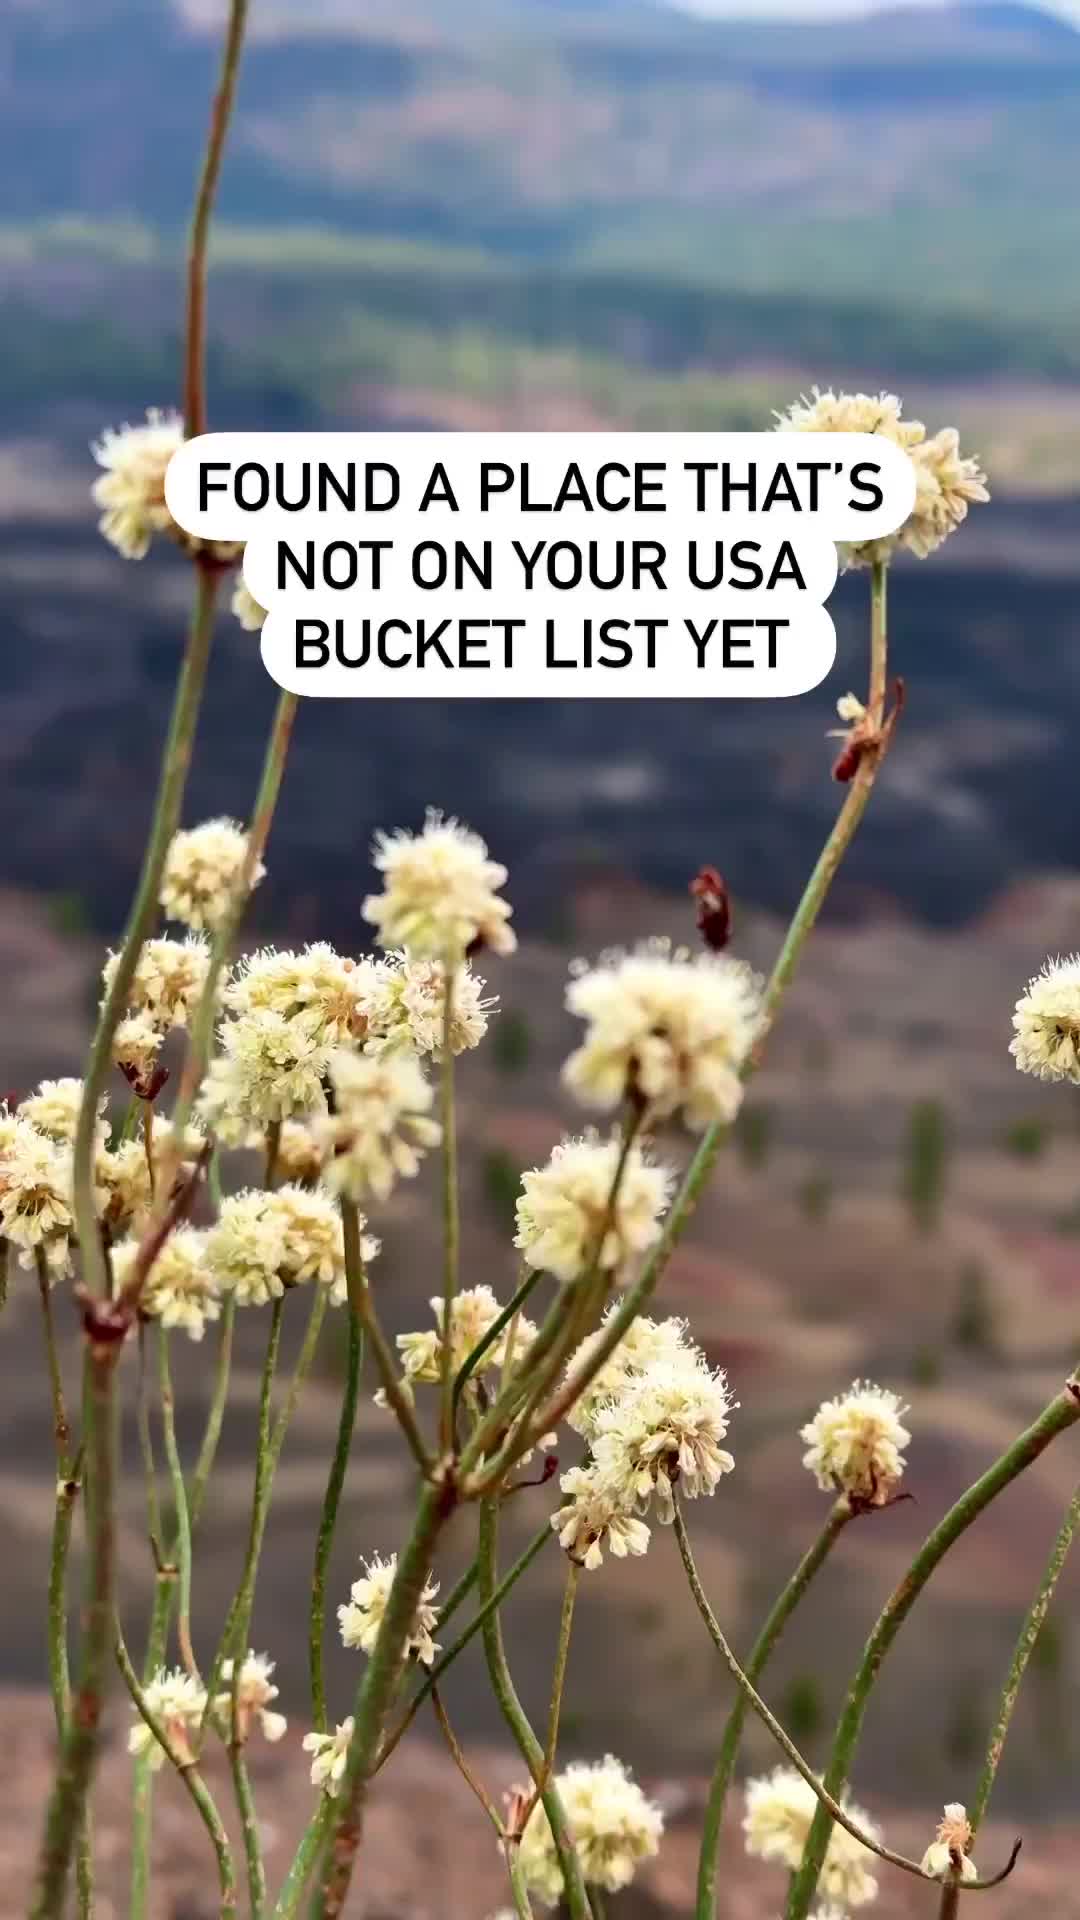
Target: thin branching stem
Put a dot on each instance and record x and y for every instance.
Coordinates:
(476, 1786)
(450, 1210)
(304, 1860)
(505, 1319)
(518, 1721)
(204, 1465)
(558, 1677)
(324, 1544)
(61, 1426)
(195, 1785)
(1022, 1652)
(205, 195)
(490, 1605)
(249, 1828)
(1062, 1412)
(760, 1654)
(180, 1504)
(363, 1306)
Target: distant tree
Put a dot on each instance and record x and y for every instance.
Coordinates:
(804, 1708)
(511, 1041)
(926, 1163)
(1026, 1138)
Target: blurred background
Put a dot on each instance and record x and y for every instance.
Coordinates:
(535, 213)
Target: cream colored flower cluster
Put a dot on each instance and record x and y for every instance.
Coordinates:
(567, 1219)
(178, 1702)
(202, 868)
(946, 483)
(264, 1242)
(779, 1812)
(949, 1851)
(131, 489)
(855, 1444)
(658, 1424)
(669, 1028)
(472, 1315)
(440, 897)
(165, 990)
(361, 1616)
(1046, 1024)
(611, 1822)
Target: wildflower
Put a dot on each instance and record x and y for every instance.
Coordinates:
(380, 1128)
(664, 1429)
(1047, 1022)
(178, 1701)
(780, 1809)
(181, 1289)
(441, 894)
(202, 868)
(254, 1693)
(855, 1444)
(945, 482)
(643, 1344)
(136, 1046)
(122, 1185)
(612, 1825)
(268, 1068)
(54, 1108)
(245, 1248)
(318, 985)
(36, 1208)
(473, 1313)
(672, 1029)
(331, 1751)
(568, 1217)
(712, 913)
(313, 1239)
(596, 1515)
(361, 1617)
(949, 1851)
(132, 488)
(246, 608)
(168, 980)
(299, 1157)
(403, 1004)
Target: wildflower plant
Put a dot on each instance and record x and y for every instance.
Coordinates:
(130, 1195)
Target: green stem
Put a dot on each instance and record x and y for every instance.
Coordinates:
(518, 1888)
(558, 1678)
(363, 1306)
(249, 1823)
(328, 1523)
(375, 1696)
(450, 1211)
(304, 1859)
(61, 1427)
(1022, 1652)
(67, 1490)
(490, 1606)
(233, 1640)
(472, 1361)
(205, 194)
(66, 1812)
(1062, 1412)
(214, 1419)
(143, 1783)
(179, 1494)
(170, 794)
(518, 1722)
(760, 1655)
(194, 1783)
(787, 1746)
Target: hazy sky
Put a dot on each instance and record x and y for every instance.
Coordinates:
(835, 9)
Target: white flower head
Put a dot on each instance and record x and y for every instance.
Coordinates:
(131, 490)
(1047, 1022)
(122, 1185)
(672, 1028)
(597, 1514)
(664, 1431)
(245, 1248)
(269, 1068)
(855, 1444)
(565, 1215)
(54, 1108)
(948, 1851)
(330, 1751)
(612, 1824)
(361, 1617)
(318, 985)
(441, 893)
(403, 1003)
(643, 1344)
(181, 1288)
(779, 1812)
(36, 1205)
(945, 482)
(255, 1693)
(202, 868)
(136, 1046)
(472, 1315)
(178, 1701)
(380, 1128)
(168, 981)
